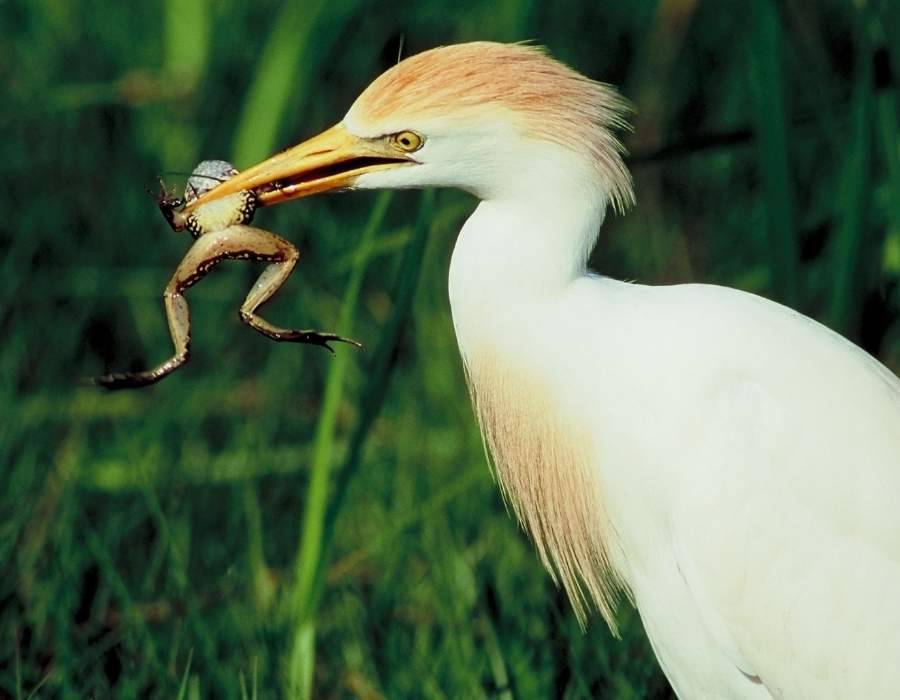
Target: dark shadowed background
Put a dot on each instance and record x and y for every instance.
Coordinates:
(275, 520)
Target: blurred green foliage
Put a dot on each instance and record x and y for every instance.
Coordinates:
(273, 519)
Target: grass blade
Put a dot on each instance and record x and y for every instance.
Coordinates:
(260, 577)
(308, 557)
(187, 33)
(852, 202)
(890, 142)
(312, 575)
(187, 43)
(182, 689)
(889, 135)
(767, 90)
(284, 71)
(280, 72)
(379, 374)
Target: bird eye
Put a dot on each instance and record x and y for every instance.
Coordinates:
(407, 141)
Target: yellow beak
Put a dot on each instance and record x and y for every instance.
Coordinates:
(330, 161)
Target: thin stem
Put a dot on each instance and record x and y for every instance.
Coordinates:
(309, 552)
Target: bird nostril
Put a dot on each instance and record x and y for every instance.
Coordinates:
(323, 152)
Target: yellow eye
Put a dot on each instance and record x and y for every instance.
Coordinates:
(407, 141)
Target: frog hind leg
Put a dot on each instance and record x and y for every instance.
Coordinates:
(206, 252)
(232, 243)
(282, 256)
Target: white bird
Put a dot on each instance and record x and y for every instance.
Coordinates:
(731, 465)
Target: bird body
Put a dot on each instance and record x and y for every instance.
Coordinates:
(743, 462)
(732, 466)
(752, 489)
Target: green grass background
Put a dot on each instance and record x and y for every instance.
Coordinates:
(273, 521)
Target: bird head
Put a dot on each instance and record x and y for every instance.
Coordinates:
(492, 119)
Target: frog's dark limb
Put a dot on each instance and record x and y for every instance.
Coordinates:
(232, 243)
(179, 319)
(193, 267)
(283, 256)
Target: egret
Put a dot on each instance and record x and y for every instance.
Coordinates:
(731, 466)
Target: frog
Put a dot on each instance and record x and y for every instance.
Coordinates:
(221, 231)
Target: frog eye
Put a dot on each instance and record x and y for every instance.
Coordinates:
(407, 141)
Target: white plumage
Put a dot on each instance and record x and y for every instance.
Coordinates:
(731, 465)
(746, 457)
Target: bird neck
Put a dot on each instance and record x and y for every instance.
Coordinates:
(515, 251)
(513, 264)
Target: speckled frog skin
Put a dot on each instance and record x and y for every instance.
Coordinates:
(233, 210)
(221, 232)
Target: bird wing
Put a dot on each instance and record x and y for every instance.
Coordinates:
(787, 530)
